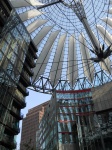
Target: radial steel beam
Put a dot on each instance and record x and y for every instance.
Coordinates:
(50, 4)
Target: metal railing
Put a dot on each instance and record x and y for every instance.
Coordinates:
(26, 76)
(31, 60)
(13, 126)
(23, 89)
(17, 113)
(19, 96)
(30, 71)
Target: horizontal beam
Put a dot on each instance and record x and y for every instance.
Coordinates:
(46, 5)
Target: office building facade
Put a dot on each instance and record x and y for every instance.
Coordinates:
(59, 129)
(30, 125)
(77, 120)
(17, 55)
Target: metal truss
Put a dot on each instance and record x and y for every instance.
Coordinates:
(44, 85)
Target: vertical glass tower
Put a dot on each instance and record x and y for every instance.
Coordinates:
(69, 122)
(17, 54)
(75, 118)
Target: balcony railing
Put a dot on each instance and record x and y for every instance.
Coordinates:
(31, 50)
(19, 95)
(13, 127)
(32, 46)
(30, 60)
(26, 78)
(16, 128)
(28, 69)
(19, 99)
(16, 114)
(23, 89)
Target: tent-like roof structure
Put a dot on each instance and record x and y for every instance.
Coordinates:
(73, 39)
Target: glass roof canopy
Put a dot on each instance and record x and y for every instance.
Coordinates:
(73, 40)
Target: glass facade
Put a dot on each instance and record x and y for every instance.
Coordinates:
(75, 118)
(13, 48)
(15, 44)
(47, 134)
(70, 122)
(67, 121)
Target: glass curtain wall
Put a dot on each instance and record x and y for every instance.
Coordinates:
(69, 122)
(75, 118)
(14, 42)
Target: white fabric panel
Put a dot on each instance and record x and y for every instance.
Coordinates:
(108, 21)
(24, 3)
(72, 63)
(29, 14)
(91, 34)
(55, 72)
(36, 24)
(105, 35)
(44, 56)
(42, 34)
(106, 65)
(87, 64)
